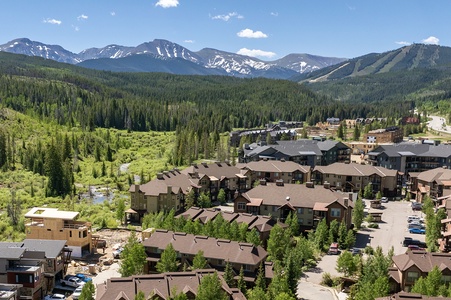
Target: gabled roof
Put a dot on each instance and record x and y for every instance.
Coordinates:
(299, 195)
(162, 285)
(274, 166)
(215, 170)
(423, 260)
(235, 252)
(32, 248)
(437, 174)
(179, 183)
(354, 169)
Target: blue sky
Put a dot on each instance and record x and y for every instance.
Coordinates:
(267, 29)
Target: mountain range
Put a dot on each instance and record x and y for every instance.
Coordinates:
(164, 56)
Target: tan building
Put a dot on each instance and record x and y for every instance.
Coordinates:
(217, 252)
(435, 183)
(354, 177)
(53, 224)
(410, 266)
(219, 175)
(311, 203)
(272, 170)
(161, 286)
(387, 135)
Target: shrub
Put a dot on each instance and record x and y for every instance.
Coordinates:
(327, 280)
(373, 225)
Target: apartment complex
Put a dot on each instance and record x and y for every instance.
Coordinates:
(410, 157)
(304, 152)
(217, 252)
(392, 134)
(273, 170)
(53, 224)
(310, 202)
(435, 183)
(168, 191)
(161, 286)
(355, 177)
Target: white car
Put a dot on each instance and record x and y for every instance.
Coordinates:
(76, 294)
(384, 200)
(55, 297)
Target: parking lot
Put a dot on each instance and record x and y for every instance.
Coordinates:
(392, 229)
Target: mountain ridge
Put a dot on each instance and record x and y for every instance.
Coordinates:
(209, 58)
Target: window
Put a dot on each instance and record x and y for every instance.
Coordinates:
(241, 206)
(301, 221)
(446, 278)
(412, 276)
(247, 268)
(276, 174)
(335, 212)
(310, 211)
(265, 207)
(300, 210)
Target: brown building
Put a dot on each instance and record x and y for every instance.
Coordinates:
(263, 224)
(169, 189)
(9, 291)
(354, 177)
(411, 296)
(217, 252)
(434, 183)
(311, 203)
(53, 224)
(161, 286)
(33, 265)
(388, 135)
(410, 266)
(272, 170)
(219, 175)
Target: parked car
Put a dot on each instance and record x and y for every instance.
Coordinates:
(417, 225)
(83, 277)
(384, 200)
(417, 206)
(76, 294)
(333, 249)
(71, 280)
(417, 230)
(414, 247)
(356, 251)
(55, 297)
(413, 218)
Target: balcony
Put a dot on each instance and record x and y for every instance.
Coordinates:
(77, 225)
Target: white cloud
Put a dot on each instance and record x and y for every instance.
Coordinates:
(76, 28)
(256, 53)
(167, 3)
(403, 43)
(112, 13)
(52, 21)
(274, 14)
(82, 17)
(249, 33)
(228, 16)
(431, 40)
(189, 41)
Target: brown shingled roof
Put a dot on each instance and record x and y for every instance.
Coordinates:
(164, 285)
(425, 261)
(299, 194)
(354, 169)
(274, 166)
(218, 170)
(176, 180)
(235, 252)
(437, 174)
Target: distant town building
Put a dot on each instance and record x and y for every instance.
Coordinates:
(392, 134)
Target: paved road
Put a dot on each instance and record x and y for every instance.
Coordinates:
(439, 124)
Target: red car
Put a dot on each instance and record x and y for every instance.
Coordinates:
(414, 247)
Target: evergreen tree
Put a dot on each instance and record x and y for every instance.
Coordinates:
(210, 287)
(133, 257)
(190, 199)
(347, 263)
(168, 261)
(87, 293)
(342, 236)
(368, 191)
(321, 236)
(279, 240)
(240, 283)
(120, 210)
(222, 196)
(253, 237)
(14, 209)
(57, 185)
(199, 261)
(140, 296)
(228, 275)
(358, 213)
(260, 281)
